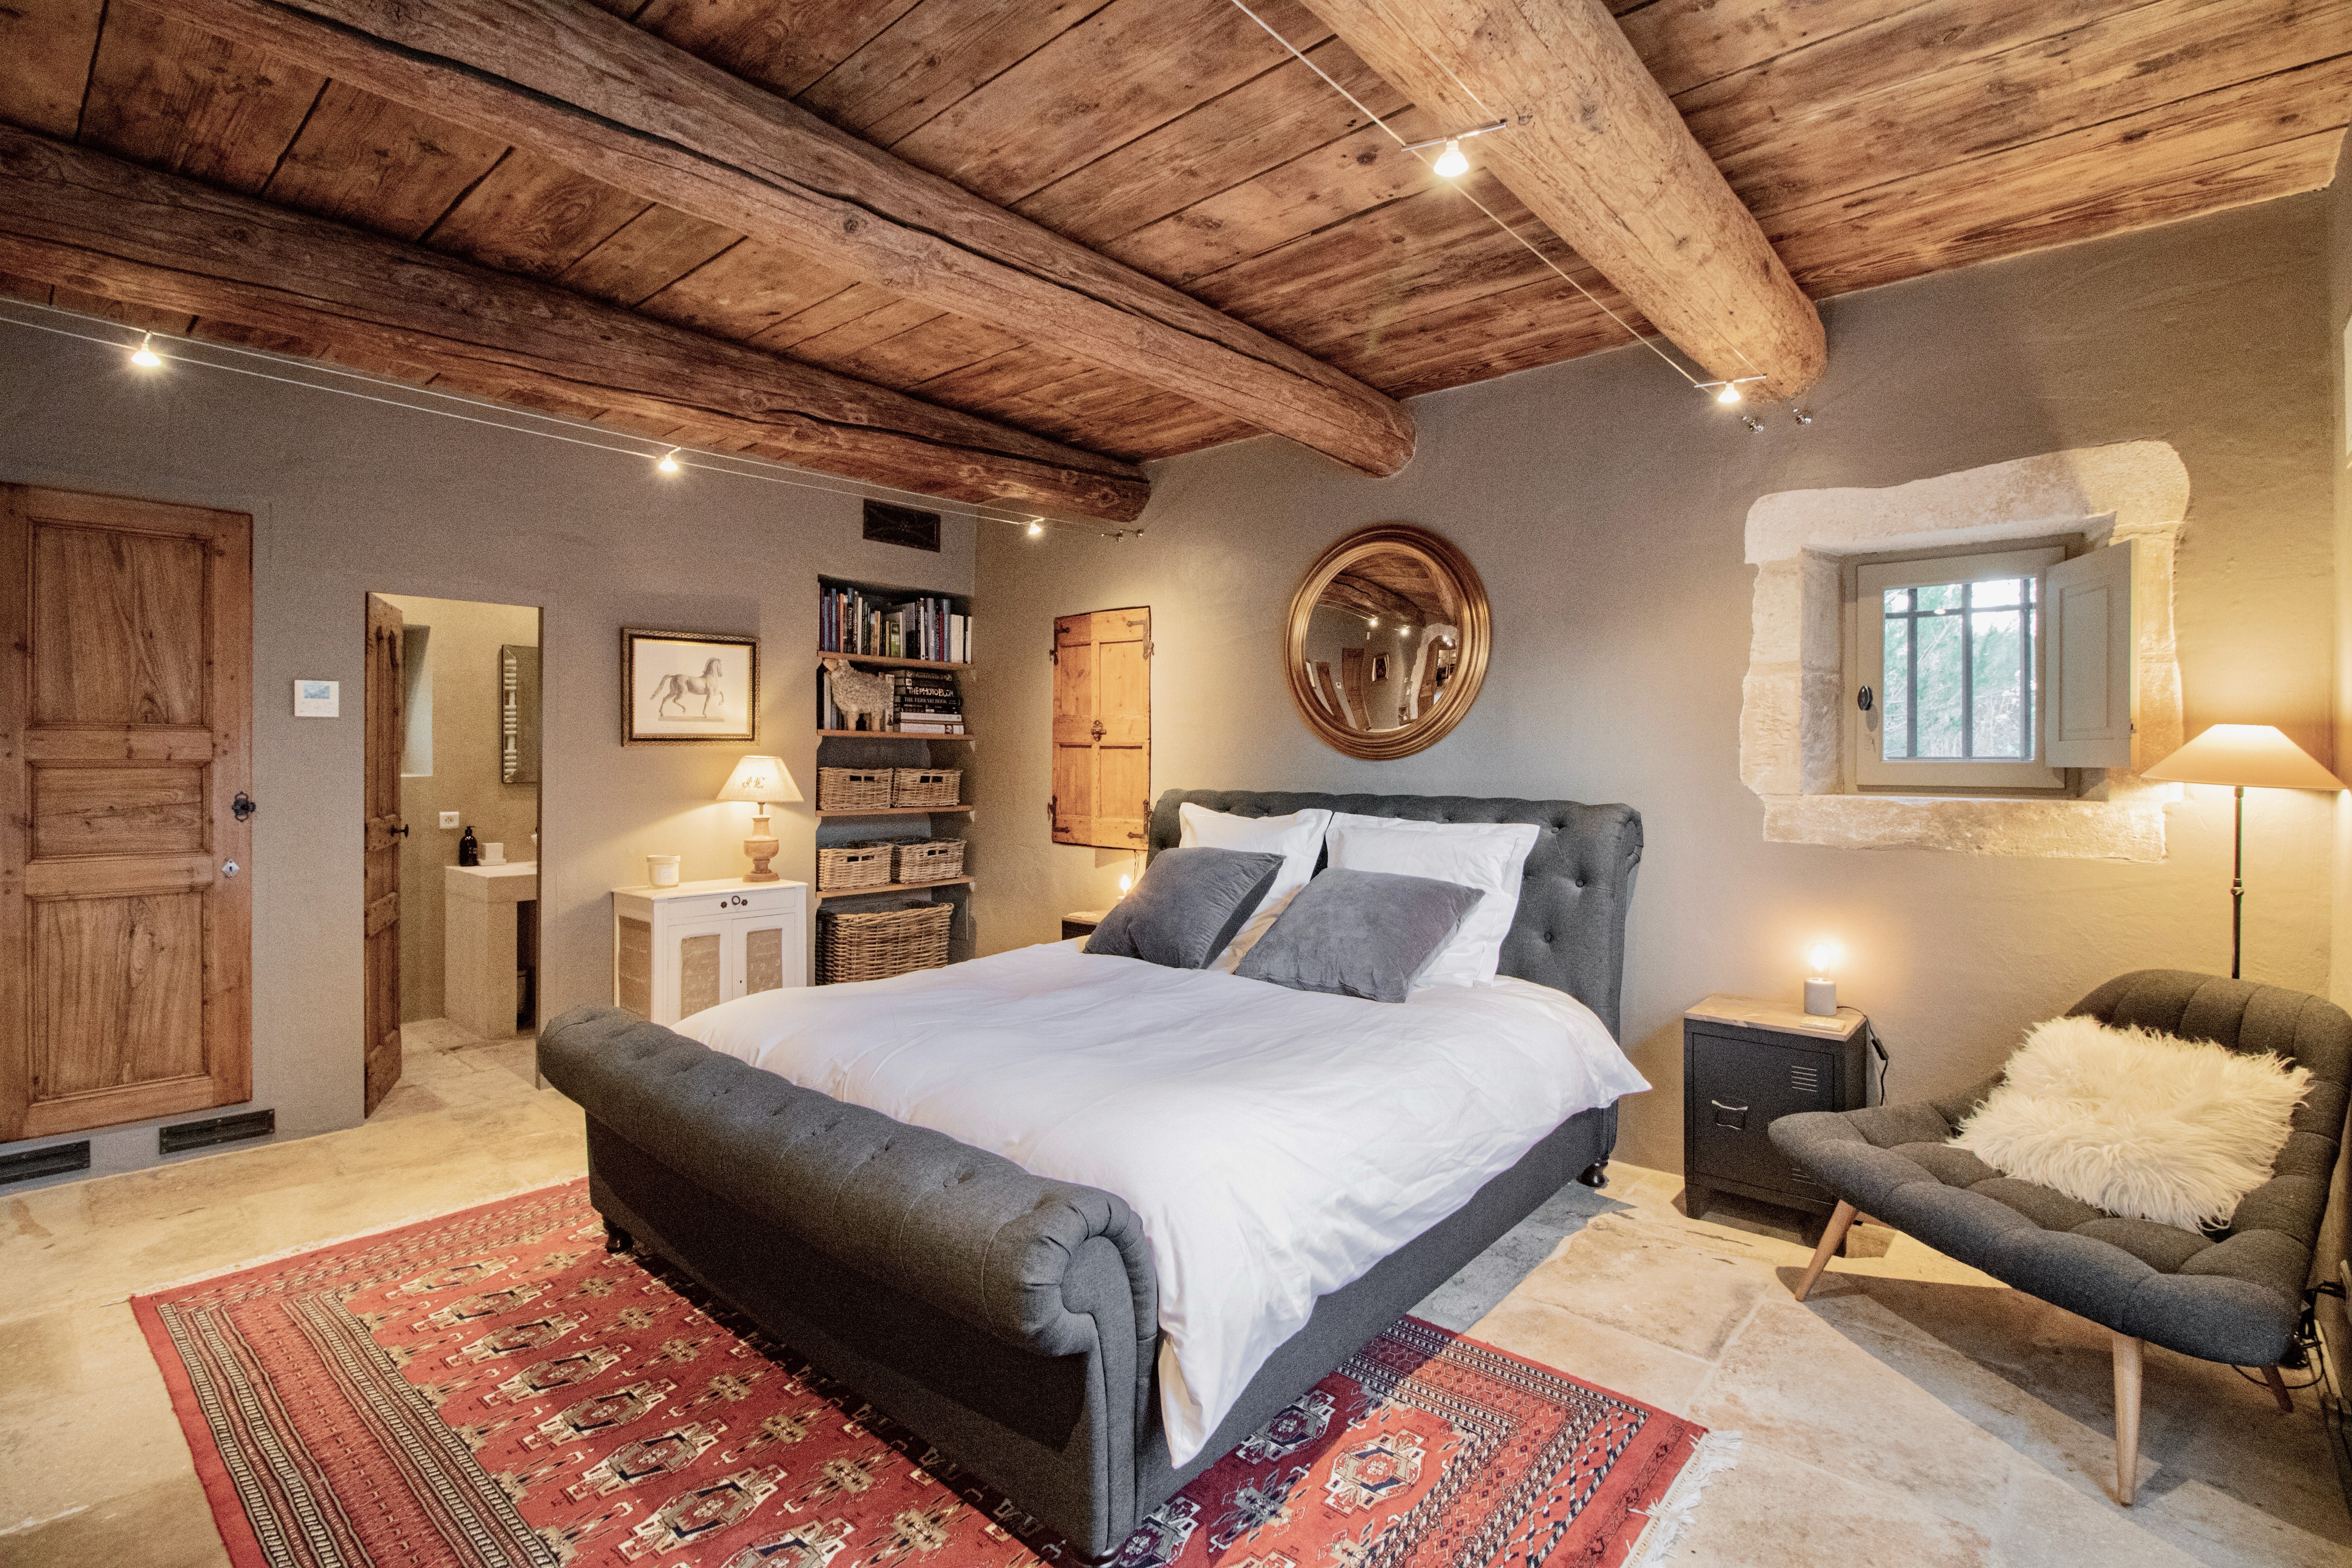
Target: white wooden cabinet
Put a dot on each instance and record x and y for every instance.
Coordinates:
(677, 951)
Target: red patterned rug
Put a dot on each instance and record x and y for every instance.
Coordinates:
(491, 1389)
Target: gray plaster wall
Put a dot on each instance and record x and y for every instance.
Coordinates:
(1603, 501)
(350, 497)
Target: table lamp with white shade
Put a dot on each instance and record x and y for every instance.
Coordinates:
(761, 781)
(2246, 756)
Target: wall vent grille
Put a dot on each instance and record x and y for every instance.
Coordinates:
(186, 1135)
(53, 1161)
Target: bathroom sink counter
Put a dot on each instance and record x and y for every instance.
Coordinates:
(480, 976)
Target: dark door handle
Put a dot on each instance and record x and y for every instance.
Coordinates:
(1862, 699)
(1732, 1116)
(242, 806)
(401, 831)
(1099, 729)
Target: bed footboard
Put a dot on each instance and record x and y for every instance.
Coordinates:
(1009, 1318)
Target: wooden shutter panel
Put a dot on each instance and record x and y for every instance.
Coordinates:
(2092, 674)
(1102, 728)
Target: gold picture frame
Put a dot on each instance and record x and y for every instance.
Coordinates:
(687, 688)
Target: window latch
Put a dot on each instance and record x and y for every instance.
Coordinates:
(1863, 699)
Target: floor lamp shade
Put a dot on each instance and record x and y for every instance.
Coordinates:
(2245, 756)
(760, 780)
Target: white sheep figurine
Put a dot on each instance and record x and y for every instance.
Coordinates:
(855, 692)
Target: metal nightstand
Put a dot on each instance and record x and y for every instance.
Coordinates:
(1081, 922)
(1746, 1063)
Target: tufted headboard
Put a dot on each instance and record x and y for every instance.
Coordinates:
(1570, 932)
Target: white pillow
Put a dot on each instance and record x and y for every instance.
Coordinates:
(1298, 838)
(2140, 1124)
(1487, 856)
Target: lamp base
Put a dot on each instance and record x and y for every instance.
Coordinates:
(761, 847)
(1820, 998)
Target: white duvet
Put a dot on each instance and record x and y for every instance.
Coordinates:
(1275, 1143)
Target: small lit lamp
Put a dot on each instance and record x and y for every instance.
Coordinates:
(1820, 991)
(760, 780)
(2242, 755)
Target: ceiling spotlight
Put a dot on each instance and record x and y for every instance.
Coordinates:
(668, 465)
(145, 356)
(1374, 624)
(1731, 393)
(1036, 528)
(1451, 162)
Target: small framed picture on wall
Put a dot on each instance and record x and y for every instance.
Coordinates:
(685, 687)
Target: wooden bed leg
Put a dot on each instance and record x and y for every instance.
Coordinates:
(1840, 1223)
(2127, 1351)
(2279, 1389)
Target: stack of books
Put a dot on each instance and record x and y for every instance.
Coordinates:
(925, 628)
(923, 703)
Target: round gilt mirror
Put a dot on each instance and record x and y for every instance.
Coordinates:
(1388, 642)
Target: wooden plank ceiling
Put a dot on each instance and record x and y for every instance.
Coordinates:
(1875, 140)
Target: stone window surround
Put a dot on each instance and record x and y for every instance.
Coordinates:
(1793, 713)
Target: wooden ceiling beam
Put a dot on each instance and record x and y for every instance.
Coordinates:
(1597, 151)
(574, 84)
(82, 220)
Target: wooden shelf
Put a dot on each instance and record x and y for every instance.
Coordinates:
(825, 653)
(901, 811)
(887, 735)
(893, 888)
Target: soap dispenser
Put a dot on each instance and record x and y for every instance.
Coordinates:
(469, 849)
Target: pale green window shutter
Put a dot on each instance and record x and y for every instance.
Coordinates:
(2093, 669)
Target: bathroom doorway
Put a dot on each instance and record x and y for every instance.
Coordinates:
(452, 852)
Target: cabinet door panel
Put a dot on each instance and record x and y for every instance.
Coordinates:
(1742, 1089)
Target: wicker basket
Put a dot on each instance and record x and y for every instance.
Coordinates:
(927, 786)
(861, 864)
(886, 942)
(931, 860)
(852, 789)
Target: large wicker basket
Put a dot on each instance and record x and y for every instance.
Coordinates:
(876, 946)
(863, 864)
(927, 786)
(931, 860)
(852, 789)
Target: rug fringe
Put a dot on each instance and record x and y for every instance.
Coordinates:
(1716, 1453)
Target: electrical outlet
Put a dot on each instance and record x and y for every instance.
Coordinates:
(448, 819)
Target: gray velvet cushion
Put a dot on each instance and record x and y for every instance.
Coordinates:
(1187, 908)
(1361, 933)
(2232, 1295)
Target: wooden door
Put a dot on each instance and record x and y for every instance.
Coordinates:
(386, 694)
(1102, 728)
(126, 664)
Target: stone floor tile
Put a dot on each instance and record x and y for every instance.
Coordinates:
(1792, 1383)
(1618, 1270)
(167, 1191)
(1623, 1364)
(1770, 1511)
(165, 1524)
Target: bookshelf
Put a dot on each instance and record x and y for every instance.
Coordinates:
(850, 611)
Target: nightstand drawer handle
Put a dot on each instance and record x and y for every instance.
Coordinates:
(1732, 1116)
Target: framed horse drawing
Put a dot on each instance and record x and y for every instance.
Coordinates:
(680, 688)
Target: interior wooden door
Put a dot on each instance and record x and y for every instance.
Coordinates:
(1102, 728)
(126, 659)
(387, 695)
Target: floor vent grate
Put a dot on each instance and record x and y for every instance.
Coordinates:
(236, 1129)
(54, 1161)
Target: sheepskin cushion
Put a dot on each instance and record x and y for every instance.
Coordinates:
(2140, 1124)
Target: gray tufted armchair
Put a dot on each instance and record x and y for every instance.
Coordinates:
(2234, 1295)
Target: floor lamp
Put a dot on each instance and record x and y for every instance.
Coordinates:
(2246, 756)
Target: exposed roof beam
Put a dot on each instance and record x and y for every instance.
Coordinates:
(592, 91)
(1598, 151)
(79, 218)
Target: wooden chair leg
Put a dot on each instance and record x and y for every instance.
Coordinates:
(2127, 1351)
(1840, 1223)
(2278, 1389)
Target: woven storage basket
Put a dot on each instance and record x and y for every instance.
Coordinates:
(886, 942)
(852, 789)
(931, 860)
(927, 786)
(863, 864)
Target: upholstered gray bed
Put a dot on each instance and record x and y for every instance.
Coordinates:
(1011, 1320)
